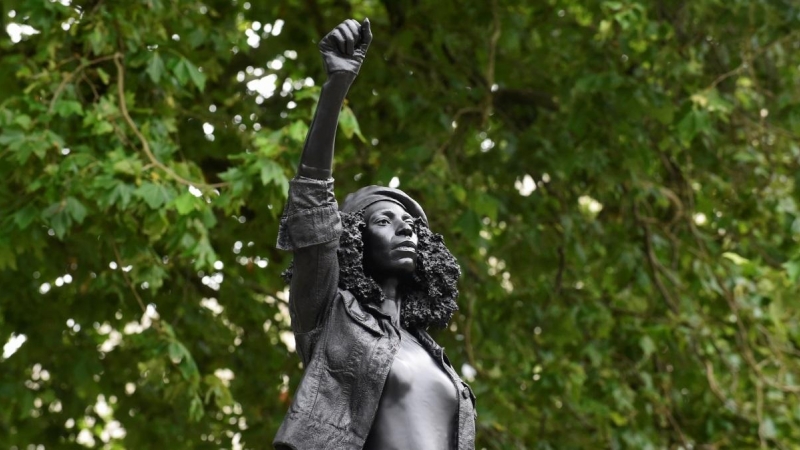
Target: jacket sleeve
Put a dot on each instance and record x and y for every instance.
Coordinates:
(310, 227)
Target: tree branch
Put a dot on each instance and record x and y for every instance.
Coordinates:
(123, 107)
(63, 85)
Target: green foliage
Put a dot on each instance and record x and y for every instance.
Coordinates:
(618, 179)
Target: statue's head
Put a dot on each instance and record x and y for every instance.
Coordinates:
(379, 225)
(385, 233)
(390, 237)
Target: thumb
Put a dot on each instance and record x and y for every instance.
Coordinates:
(366, 33)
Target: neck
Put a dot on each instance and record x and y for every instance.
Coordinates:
(391, 304)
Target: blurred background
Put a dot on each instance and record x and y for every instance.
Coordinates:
(618, 180)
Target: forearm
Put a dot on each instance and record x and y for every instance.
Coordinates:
(316, 161)
(314, 281)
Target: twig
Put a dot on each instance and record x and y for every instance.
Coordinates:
(725, 76)
(760, 413)
(560, 273)
(749, 62)
(123, 107)
(494, 38)
(468, 321)
(456, 117)
(741, 332)
(468, 333)
(127, 280)
(91, 85)
(652, 261)
(676, 427)
(71, 75)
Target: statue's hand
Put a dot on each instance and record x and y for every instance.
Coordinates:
(345, 47)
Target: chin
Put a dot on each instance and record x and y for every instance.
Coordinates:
(406, 266)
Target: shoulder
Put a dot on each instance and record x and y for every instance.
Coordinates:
(348, 309)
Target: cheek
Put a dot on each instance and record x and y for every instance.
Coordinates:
(375, 249)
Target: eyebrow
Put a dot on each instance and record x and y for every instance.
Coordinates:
(390, 213)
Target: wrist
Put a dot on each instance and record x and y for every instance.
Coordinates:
(314, 172)
(344, 76)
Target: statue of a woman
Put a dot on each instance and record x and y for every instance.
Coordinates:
(366, 282)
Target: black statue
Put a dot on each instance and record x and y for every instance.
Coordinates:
(366, 282)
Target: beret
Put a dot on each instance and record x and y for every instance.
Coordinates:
(368, 195)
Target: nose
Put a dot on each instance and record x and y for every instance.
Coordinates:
(405, 229)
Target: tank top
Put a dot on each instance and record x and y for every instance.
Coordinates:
(419, 404)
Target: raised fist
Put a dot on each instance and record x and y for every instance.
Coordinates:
(344, 48)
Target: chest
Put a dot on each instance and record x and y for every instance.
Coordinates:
(415, 373)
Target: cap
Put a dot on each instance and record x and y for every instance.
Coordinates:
(368, 195)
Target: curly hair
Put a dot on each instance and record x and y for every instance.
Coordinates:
(428, 296)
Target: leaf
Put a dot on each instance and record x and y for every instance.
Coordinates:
(25, 216)
(217, 388)
(8, 260)
(186, 203)
(127, 166)
(176, 352)
(155, 225)
(66, 108)
(154, 275)
(618, 419)
(664, 113)
(155, 195)
(694, 122)
(104, 77)
(180, 356)
(197, 37)
(168, 330)
(271, 172)
(486, 205)
(349, 124)
(10, 137)
(312, 93)
(647, 345)
(237, 178)
(120, 195)
(738, 260)
(196, 411)
(768, 428)
(23, 120)
(181, 72)
(297, 131)
(184, 71)
(75, 209)
(269, 145)
(98, 39)
(102, 127)
(60, 223)
(155, 67)
(793, 270)
(470, 224)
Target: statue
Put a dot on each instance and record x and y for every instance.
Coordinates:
(367, 280)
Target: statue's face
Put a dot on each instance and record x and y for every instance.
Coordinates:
(390, 243)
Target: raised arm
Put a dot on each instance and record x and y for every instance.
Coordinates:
(310, 225)
(343, 51)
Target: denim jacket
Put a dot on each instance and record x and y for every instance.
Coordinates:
(347, 348)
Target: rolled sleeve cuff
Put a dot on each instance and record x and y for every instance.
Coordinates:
(311, 215)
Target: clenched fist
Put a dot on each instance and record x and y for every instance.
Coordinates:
(344, 48)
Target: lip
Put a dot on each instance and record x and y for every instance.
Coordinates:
(407, 246)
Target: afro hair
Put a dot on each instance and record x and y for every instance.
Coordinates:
(428, 296)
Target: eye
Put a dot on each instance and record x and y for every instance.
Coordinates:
(382, 221)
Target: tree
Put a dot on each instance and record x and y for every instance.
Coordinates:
(618, 179)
